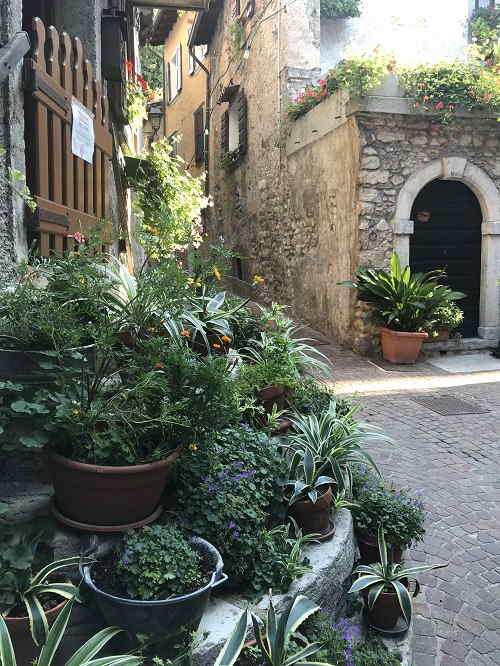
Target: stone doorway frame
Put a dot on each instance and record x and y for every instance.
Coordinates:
(459, 168)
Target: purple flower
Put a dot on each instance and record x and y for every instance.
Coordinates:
(126, 558)
(236, 533)
(212, 487)
(232, 525)
(245, 426)
(238, 464)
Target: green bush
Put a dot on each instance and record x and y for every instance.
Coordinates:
(340, 8)
(401, 515)
(448, 316)
(229, 487)
(309, 396)
(158, 562)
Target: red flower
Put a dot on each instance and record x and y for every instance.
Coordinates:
(439, 106)
(451, 107)
(426, 98)
(417, 103)
(322, 83)
(130, 66)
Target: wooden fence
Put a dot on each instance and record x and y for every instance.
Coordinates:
(70, 193)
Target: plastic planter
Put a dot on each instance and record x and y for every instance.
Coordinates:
(165, 617)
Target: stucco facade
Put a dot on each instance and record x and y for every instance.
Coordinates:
(179, 111)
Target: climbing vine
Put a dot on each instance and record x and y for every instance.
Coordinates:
(340, 8)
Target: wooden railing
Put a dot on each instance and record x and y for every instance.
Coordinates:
(70, 193)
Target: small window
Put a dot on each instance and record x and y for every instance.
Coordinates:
(200, 52)
(234, 130)
(236, 8)
(175, 74)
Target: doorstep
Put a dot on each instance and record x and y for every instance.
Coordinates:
(457, 346)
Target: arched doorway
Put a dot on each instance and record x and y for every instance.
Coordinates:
(447, 234)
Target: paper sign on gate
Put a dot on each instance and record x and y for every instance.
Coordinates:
(82, 135)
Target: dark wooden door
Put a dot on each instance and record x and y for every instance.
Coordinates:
(451, 240)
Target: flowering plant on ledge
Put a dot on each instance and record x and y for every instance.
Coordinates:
(357, 75)
(138, 95)
(446, 87)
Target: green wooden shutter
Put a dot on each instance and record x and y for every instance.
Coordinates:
(199, 135)
(242, 123)
(224, 134)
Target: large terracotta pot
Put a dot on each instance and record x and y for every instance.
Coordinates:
(313, 517)
(101, 498)
(400, 347)
(20, 634)
(368, 549)
(272, 395)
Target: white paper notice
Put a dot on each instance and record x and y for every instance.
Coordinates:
(82, 135)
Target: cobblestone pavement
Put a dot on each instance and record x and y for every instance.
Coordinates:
(455, 462)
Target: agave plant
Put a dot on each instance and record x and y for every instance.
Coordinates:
(84, 656)
(386, 576)
(274, 639)
(404, 301)
(306, 478)
(21, 549)
(336, 442)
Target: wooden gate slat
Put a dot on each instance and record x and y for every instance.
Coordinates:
(88, 100)
(98, 190)
(55, 123)
(78, 93)
(67, 84)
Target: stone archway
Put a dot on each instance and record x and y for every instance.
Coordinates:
(458, 168)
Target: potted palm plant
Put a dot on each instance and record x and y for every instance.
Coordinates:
(30, 598)
(156, 581)
(310, 496)
(384, 586)
(405, 304)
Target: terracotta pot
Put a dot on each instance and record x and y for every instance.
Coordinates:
(400, 347)
(105, 498)
(272, 395)
(443, 334)
(20, 634)
(368, 549)
(386, 611)
(313, 517)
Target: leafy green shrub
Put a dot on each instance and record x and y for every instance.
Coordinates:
(485, 30)
(228, 486)
(401, 515)
(309, 396)
(340, 8)
(169, 202)
(448, 316)
(157, 562)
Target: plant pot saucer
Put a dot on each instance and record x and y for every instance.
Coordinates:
(330, 531)
(104, 529)
(401, 626)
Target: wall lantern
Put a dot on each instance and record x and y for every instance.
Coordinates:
(155, 114)
(193, 5)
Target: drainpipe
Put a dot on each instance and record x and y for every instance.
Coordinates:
(207, 120)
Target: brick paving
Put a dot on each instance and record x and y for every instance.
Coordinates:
(455, 462)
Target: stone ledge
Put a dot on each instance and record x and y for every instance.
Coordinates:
(456, 346)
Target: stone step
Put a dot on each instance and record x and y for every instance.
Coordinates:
(457, 346)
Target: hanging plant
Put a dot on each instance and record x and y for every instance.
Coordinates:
(139, 94)
(168, 201)
(340, 8)
(485, 32)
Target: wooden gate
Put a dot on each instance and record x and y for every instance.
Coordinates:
(70, 193)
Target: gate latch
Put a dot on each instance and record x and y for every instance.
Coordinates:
(12, 53)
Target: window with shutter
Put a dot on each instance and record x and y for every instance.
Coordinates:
(199, 135)
(236, 8)
(178, 56)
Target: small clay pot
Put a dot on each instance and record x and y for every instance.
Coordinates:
(443, 334)
(20, 634)
(313, 517)
(106, 498)
(386, 611)
(272, 395)
(368, 549)
(401, 347)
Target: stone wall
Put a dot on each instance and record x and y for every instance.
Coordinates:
(12, 233)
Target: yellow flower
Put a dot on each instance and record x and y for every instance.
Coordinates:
(151, 330)
(159, 365)
(75, 411)
(193, 447)
(226, 338)
(258, 278)
(217, 273)
(194, 283)
(185, 334)
(216, 346)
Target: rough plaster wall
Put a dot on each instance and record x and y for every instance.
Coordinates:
(322, 227)
(394, 147)
(12, 234)
(423, 31)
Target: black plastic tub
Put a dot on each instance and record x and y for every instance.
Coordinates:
(165, 617)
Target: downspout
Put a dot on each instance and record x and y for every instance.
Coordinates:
(206, 142)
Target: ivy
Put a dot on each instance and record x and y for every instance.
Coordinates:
(340, 8)
(485, 33)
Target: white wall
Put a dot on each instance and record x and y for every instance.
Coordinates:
(413, 30)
